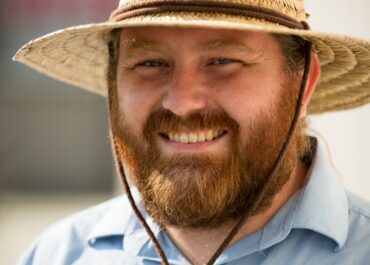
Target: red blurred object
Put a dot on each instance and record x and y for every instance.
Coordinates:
(39, 10)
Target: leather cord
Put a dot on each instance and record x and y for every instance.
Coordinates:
(204, 6)
(261, 195)
(139, 9)
(126, 186)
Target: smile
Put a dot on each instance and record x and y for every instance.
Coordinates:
(193, 137)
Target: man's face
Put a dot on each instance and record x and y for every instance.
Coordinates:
(199, 117)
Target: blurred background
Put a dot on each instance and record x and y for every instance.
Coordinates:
(55, 157)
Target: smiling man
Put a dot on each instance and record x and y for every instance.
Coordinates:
(207, 101)
(193, 109)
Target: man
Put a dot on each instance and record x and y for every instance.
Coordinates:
(207, 101)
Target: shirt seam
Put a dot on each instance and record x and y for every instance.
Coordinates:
(356, 211)
(293, 212)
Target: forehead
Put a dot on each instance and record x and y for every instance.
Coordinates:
(206, 38)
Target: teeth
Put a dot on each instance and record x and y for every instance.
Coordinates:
(209, 135)
(201, 137)
(171, 136)
(184, 138)
(194, 137)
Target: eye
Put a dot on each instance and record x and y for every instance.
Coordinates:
(222, 67)
(152, 63)
(221, 61)
(152, 68)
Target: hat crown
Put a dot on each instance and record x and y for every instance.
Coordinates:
(292, 8)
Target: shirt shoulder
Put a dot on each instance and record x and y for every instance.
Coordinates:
(359, 220)
(358, 206)
(66, 240)
(357, 245)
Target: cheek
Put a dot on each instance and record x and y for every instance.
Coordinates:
(244, 100)
(135, 105)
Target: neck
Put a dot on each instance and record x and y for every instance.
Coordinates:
(198, 245)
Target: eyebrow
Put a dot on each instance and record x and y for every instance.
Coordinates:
(133, 47)
(136, 46)
(226, 44)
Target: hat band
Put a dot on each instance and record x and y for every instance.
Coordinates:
(161, 6)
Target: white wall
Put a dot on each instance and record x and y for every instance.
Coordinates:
(347, 133)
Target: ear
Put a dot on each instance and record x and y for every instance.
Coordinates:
(313, 79)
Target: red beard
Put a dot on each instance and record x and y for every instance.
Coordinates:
(198, 191)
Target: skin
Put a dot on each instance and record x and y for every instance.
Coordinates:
(197, 70)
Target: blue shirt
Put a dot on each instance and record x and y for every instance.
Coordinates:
(321, 224)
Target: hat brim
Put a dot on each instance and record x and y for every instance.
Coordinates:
(79, 56)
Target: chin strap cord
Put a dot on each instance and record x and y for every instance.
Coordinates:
(138, 214)
(261, 195)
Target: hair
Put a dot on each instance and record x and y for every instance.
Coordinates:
(293, 49)
(113, 49)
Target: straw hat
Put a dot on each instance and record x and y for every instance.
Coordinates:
(79, 55)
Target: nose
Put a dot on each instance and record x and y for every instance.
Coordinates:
(185, 93)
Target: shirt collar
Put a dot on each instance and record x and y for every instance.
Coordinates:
(323, 206)
(120, 223)
(114, 221)
(118, 219)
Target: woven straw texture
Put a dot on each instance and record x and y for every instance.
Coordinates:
(79, 55)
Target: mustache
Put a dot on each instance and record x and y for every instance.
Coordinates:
(166, 121)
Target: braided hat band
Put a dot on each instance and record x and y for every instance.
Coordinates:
(205, 6)
(290, 8)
